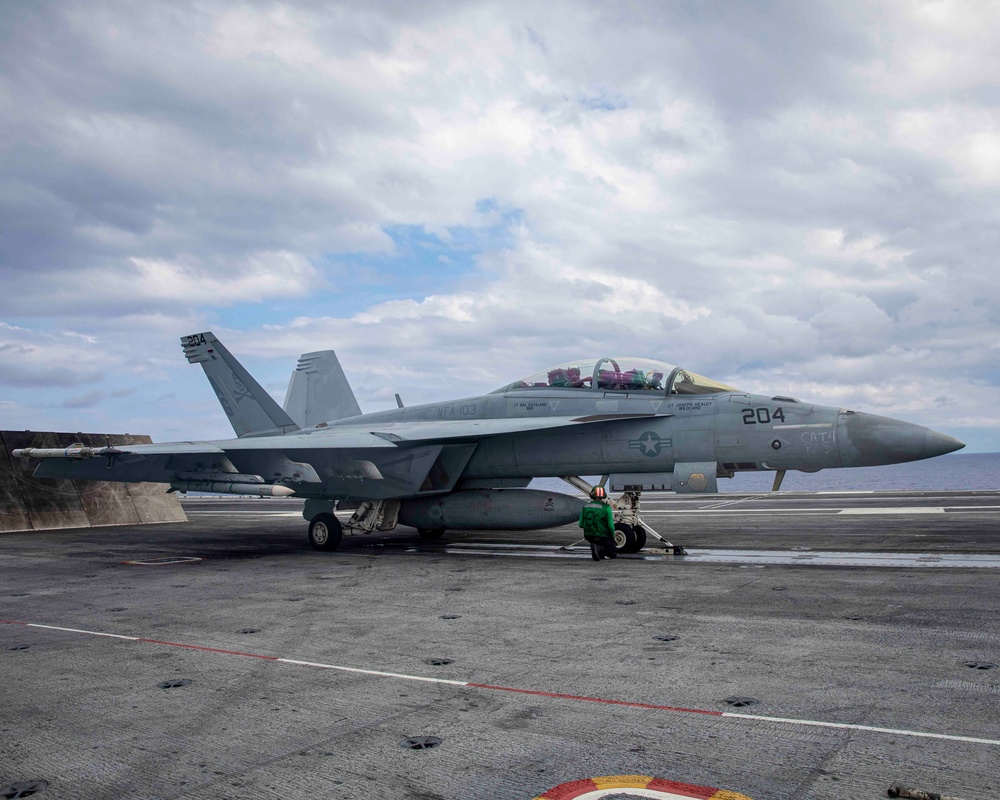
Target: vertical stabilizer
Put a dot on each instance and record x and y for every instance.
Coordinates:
(251, 410)
(319, 391)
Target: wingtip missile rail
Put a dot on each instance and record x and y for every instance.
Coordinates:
(77, 450)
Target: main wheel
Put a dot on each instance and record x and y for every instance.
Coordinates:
(624, 538)
(325, 532)
(640, 538)
(430, 533)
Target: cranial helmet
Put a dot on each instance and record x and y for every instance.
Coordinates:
(598, 493)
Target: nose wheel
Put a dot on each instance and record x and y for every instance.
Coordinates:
(624, 538)
(629, 538)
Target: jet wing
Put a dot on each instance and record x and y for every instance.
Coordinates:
(168, 462)
(392, 459)
(447, 430)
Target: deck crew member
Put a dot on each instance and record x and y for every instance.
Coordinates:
(598, 523)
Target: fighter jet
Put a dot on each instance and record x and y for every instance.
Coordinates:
(465, 464)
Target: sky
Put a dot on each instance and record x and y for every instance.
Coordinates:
(793, 198)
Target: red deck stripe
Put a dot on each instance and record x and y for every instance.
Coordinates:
(586, 699)
(210, 649)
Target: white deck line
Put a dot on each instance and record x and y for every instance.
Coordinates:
(211, 650)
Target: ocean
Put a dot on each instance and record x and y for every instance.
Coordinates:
(955, 472)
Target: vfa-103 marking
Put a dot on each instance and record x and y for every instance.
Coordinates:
(465, 464)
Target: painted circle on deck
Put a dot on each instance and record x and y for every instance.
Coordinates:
(635, 786)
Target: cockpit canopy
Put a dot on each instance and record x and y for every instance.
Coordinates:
(621, 374)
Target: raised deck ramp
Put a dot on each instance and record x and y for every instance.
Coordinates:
(30, 503)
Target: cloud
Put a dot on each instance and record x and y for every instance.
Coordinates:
(88, 400)
(28, 359)
(852, 325)
(966, 138)
(790, 199)
(155, 285)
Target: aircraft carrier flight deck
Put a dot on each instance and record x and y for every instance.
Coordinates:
(807, 646)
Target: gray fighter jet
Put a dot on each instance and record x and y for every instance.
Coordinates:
(465, 464)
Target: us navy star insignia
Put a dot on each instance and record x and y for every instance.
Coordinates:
(650, 444)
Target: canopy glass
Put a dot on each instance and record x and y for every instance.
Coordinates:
(622, 374)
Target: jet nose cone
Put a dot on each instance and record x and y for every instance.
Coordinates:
(868, 440)
(941, 444)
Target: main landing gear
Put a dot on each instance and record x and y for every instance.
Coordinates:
(631, 530)
(325, 532)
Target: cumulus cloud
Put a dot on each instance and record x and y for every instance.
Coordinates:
(965, 138)
(852, 325)
(792, 199)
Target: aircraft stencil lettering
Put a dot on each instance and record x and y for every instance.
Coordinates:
(464, 464)
(819, 442)
(694, 406)
(465, 410)
(525, 407)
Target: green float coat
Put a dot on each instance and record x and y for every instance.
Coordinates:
(597, 520)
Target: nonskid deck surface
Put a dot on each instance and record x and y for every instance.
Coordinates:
(863, 625)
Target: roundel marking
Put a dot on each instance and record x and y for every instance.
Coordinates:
(640, 786)
(649, 444)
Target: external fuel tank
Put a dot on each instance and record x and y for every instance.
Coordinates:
(492, 509)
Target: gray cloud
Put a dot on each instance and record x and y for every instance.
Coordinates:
(24, 364)
(795, 198)
(87, 400)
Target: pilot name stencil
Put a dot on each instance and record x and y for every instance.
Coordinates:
(697, 406)
(522, 408)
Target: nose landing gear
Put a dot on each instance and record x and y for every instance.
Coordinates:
(631, 530)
